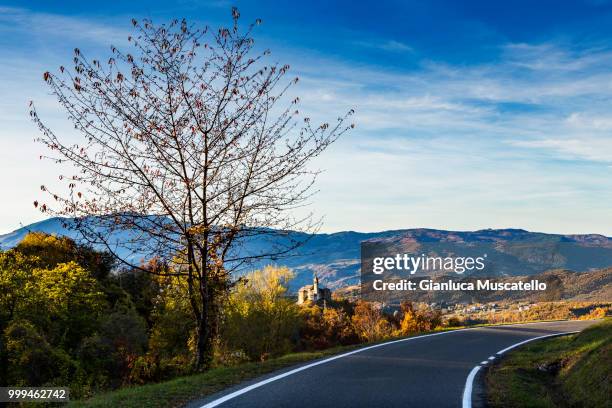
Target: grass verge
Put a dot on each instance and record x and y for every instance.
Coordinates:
(568, 371)
(179, 391)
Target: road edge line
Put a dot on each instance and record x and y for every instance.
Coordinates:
(467, 390)
(469, 382)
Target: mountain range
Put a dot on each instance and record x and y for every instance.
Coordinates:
(335, 257)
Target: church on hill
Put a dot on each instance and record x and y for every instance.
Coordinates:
(314, 293)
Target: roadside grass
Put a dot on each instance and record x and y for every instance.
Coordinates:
(179, 391)
(568, 371)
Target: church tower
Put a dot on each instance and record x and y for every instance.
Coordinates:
(314, 293)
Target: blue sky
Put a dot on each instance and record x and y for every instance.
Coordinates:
(469, 114)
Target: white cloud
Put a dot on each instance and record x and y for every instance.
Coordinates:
(56, 27)
(585, 148)
(385, 45)
(395, 46)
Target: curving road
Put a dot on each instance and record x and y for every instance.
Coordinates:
(427, 371)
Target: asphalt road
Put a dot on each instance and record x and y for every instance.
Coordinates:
(422, 372)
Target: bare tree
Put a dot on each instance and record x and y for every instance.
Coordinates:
(190, 148)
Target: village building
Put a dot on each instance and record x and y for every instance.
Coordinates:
(314, 293)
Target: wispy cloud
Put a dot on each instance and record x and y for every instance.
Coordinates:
(586, 148)
(385, 45)
(531, 104)
(24, 23)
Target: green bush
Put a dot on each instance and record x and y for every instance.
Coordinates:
(32, 361)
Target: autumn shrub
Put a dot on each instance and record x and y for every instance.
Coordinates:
(550, 311)
(454, 322)
(322, 328)
(370, 323)
(598, 313)
(414, 320)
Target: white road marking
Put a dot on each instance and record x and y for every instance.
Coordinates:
(484, 362)
(316, 363)
(469, 382)
(467, 391)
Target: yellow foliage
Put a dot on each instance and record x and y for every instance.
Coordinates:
(415, 321)
(370, 323)
(49, 249)
(66, 287)
(259, 318)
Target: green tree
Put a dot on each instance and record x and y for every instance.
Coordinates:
(260, 320)
(14, 274)
(50, 250)
(53, 306)
(110, 354)
(171, 342)
(32, 361)
(72, 301)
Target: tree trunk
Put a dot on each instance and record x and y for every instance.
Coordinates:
(204, 345)
(207, 328)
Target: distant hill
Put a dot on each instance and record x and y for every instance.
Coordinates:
(336, 257)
